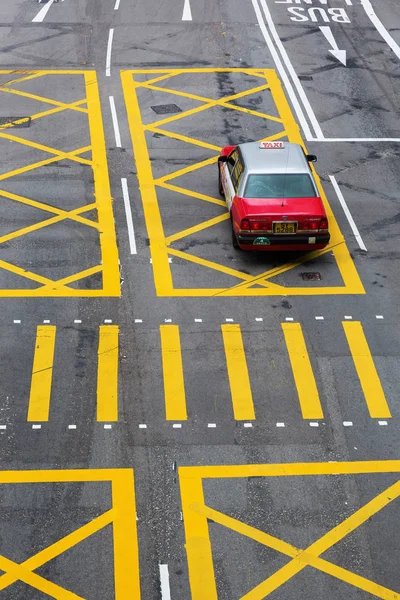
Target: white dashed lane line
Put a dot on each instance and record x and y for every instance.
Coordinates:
(109, 50)
(42, 12)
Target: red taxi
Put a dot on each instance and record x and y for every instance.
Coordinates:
(272, 197)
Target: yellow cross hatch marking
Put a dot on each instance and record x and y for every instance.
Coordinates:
(198, 544)
(122, 516)
(104, 223)
(366, 371)
(160, 243)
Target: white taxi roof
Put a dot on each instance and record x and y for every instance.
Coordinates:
(289, 159)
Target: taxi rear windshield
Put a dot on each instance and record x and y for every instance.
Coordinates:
(288, 185)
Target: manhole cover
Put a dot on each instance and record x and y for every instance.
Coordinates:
(311, 276)
(165, 109)
(17, 122)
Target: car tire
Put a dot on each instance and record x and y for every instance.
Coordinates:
(235, 243)
(220, 188)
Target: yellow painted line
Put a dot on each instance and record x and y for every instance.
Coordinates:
(41, 99)
(181, 71)
(107, 374)
(369, 379)
(310, 404)
(216, 267)
(191, 193)
(242, 398)
(61, 155)
(174, 384)
(23, 78)
(185, 170)
(126, 551)
(158, 249)
(186, 232)
(198, 545)
(23, 273)
(183, 138)
(42, 374)
(102, 191)
(77, 276)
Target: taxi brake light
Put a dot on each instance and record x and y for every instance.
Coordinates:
(245, 225)
(324, 223)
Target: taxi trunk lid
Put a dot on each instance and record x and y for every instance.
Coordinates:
(293, 209)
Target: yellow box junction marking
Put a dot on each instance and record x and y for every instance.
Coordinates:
(122, 516)
(42, 374)
(366, 370)
(174, 385)
(107, 374)
(198, 543)
(90, 106)
(242, 398)
(160, 245)
(302, 371)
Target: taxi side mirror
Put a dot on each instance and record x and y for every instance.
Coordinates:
(311, 158)
(222, 159)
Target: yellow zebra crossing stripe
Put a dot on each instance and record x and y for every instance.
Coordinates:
(42, 374)
(174, 385)
(107, 374)
(242, 399)
(303, 374)
(366, 370)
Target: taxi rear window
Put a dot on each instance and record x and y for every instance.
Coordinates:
(288, 185)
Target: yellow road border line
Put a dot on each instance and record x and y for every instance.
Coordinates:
(107, 373)
(161, 268)
(303, 374)
(109, 266)
(198, 544)
(367, 374)
(122, 516)
(239, 382)
(174, 384)
(42, 374)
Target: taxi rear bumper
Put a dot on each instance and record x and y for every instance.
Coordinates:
(283, 242)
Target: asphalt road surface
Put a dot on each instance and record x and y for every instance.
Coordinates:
(180, 420)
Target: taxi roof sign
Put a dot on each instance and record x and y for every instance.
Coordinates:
(271, 145)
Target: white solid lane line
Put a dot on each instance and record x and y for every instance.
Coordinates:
(129, 220)
(350, 219)
(109, 48)
(289, 88)
(115, 123)
(292, 72)
(187, 13)
(367, 6)
(42, 12)
(164, 581)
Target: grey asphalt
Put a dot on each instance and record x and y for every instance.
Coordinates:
(360, 100)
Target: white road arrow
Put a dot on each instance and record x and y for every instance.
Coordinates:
(339, 54)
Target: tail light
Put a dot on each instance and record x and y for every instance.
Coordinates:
(324, 223)
(256, 224)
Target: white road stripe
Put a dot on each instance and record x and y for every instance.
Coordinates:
(42, 12)
(289, 88)
(293, 75)
(117, 133)
(164, 581)
(117, 3)
(109, 49)
(347, 213)
(367, 6)
(128, 213)
(187, 13)
(394, 140)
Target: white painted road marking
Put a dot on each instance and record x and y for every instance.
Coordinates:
(367, 6)
(347, 213)
(42, 12)
(117, 133)
(109, 49)
(187, 13)
(339, 54)
(164, 581)
(117, 3)
(128, 213)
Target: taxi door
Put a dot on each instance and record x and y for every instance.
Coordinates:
(230, 177)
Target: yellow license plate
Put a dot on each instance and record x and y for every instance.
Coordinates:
(284, 227)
